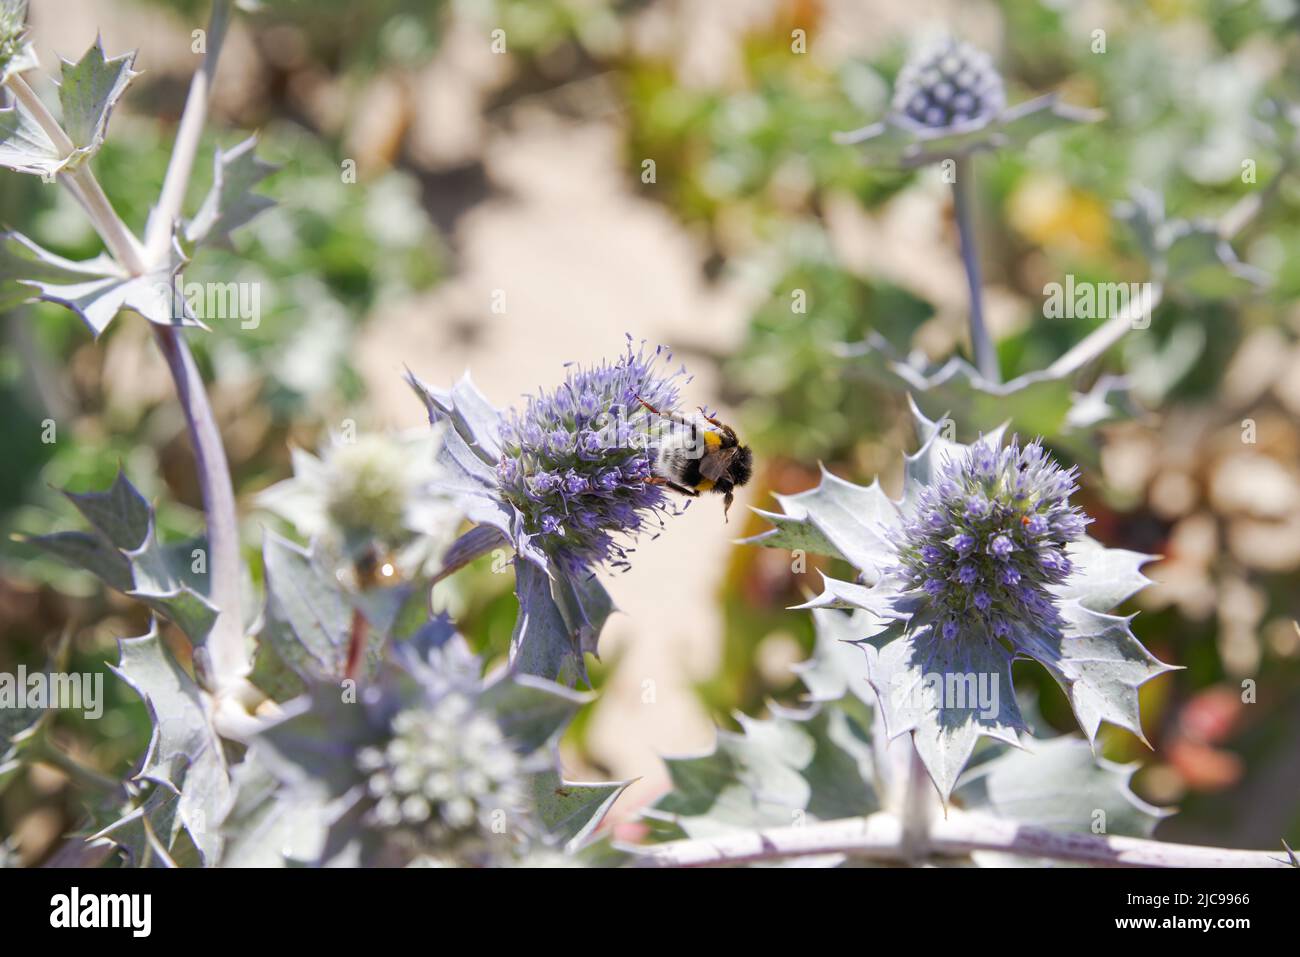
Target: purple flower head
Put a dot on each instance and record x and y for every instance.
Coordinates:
(948, 85)
(575, 460)
(949, 100)
(993, 528)
(964, 588)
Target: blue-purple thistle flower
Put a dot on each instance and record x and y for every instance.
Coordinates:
(987, 539)
(432, 760)
(576, 459)
(949, 86)
(949, 101)
(982, 561)
(563, 481)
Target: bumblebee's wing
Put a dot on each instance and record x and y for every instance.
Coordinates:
(715, 464)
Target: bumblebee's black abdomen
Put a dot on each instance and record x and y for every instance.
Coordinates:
(690, 471)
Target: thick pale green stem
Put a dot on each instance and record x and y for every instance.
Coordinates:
(158, 233)
(227, 654)
(986, 357)
(917, 807)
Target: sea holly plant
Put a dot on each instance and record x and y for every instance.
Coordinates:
(339, 723)
(914, 748)
(826, 787)
(123, 551)
(564, 482)
(949, 102)
(948, 105)
(1189, 260)
(983, 560)
(133, 275)
(431, 766)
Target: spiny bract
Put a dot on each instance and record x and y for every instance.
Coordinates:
(949, 101)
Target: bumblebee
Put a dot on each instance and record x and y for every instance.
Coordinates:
(688, 466)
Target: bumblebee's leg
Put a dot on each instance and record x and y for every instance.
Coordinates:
(726, 506)
(649, 406)
(670, 416)
(660, 480)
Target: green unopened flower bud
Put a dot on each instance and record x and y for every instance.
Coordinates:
(368, 487)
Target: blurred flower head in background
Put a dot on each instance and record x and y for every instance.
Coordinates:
(951, 86)
(15, 52)
(370, 489)
(444, 773)
(949, 101)
(432, 764)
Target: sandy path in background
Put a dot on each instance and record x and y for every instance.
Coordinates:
(581, 261)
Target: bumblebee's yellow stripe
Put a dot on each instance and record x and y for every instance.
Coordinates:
(704, 485)
(712, 438)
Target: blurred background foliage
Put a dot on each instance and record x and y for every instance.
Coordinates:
(1207, 474)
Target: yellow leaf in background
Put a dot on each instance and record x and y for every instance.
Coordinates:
(1169, 10)
(1048, 211)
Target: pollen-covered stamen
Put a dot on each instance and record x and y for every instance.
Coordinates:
(988, 536)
